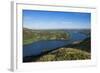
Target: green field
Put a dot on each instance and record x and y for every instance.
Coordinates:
(30, 36)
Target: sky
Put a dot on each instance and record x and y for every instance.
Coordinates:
(35, 19)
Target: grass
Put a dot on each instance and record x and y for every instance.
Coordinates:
(27, 41)
(65, 54)
(61, 54)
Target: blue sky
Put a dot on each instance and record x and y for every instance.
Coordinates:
(35, 19)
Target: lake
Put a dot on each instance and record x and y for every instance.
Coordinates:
(39, 47)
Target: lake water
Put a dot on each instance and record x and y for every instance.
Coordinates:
(39, 47)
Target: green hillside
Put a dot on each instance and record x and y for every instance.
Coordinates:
(62, 54)
(30, 35)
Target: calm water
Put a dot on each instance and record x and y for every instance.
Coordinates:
(39, 47)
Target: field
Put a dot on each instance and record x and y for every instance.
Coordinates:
(30, 35)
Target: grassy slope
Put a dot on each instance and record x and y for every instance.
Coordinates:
(65, 54)
(30, 36)
(27, 36)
